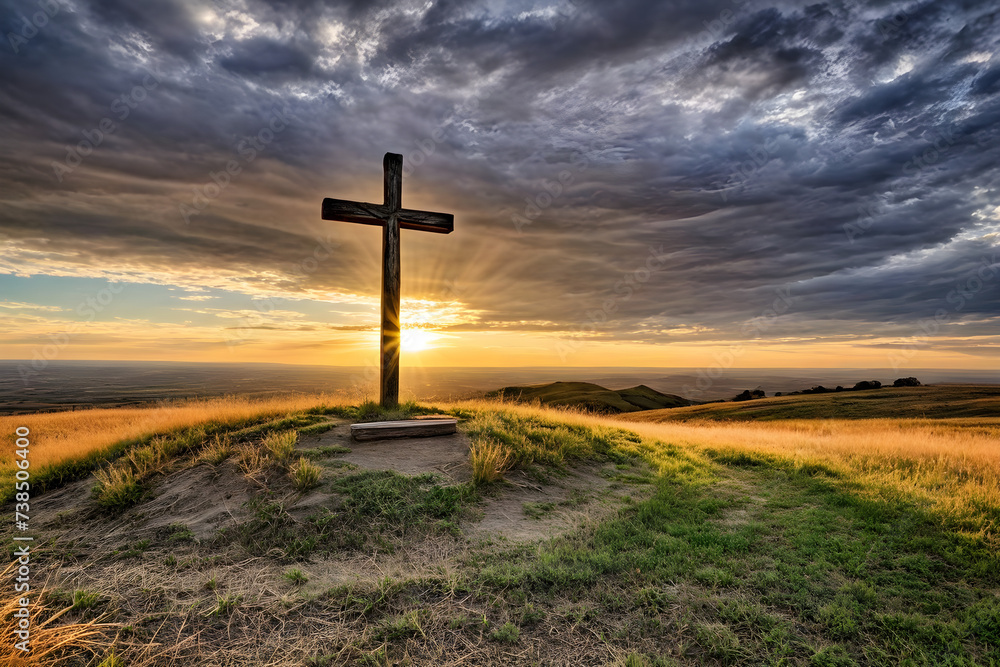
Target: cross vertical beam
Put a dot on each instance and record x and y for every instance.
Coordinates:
(392, 217)
(392, 165)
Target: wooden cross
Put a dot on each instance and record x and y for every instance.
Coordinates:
(392, 217)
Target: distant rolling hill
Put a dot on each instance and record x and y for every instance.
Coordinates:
(930, 401)
(593, 397)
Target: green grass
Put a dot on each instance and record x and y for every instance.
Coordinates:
(508, 633)
(134, 550)
(225, 605)
(535, 440)
(406, 625)
(324, 452)
(180, 533)
(378, 507)
(111, 660)
(295, 576)
(370, 411)
(83, 600)
(281, 445)
(397, 503)
(772, 560)
(537, 510)
(316, 429)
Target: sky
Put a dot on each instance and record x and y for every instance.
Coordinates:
(710, 183)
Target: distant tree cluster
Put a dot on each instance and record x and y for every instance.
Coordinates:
(749, 394)
(867, 384)
(820, 389)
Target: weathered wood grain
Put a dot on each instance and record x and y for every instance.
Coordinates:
(342, 210)
(392, 166)
(414, 428)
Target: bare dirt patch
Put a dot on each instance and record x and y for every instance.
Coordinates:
(202, 498)
(447, 456)
(524, 509)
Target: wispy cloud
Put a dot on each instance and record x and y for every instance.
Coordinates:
(17, 305)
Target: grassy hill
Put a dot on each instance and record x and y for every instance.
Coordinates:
(592, 397)
(226, 533)
(929, 401)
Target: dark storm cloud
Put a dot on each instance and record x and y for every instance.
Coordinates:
(262, 56)
(843, 154)
(168, 24)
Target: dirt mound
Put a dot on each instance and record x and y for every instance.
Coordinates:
(204, 498)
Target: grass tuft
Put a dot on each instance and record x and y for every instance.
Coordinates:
(111, 660)
(296, 576)
(489, 461)
(305, 475)
(252, 460)
(218, 450)
(83, 600)
(508, 633)
(117, 488)
(281, 445)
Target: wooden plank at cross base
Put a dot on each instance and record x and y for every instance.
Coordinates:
(412, 428)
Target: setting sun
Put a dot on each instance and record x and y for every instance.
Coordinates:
(415, 340)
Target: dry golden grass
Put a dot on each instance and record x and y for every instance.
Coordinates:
(489, 461)
(252, 460)
(952, 464)
(61, 436)
(49, 640)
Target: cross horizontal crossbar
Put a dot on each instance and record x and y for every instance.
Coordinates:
(343, 210)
